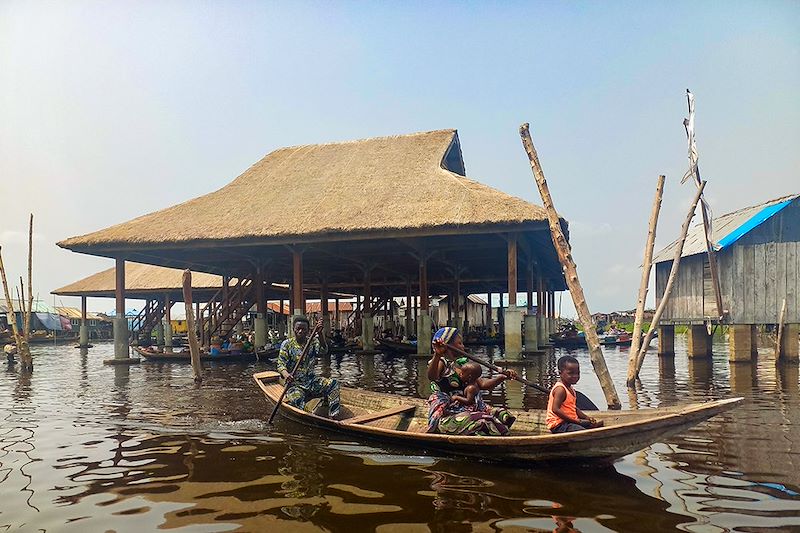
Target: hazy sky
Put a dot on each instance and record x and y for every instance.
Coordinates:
(109, 110)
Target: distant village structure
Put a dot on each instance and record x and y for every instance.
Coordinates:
(758, 256)
(383, 218)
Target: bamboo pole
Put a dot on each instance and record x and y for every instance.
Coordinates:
(673, 273)
(778, 345)
(194, 347)
(30, 281)
(644, 284)
(571, 274)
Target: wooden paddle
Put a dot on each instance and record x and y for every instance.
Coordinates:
(581, 400)
(314, 332)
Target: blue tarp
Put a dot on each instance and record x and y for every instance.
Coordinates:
(752, 223)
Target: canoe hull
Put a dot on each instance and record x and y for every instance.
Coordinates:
(621, 437)
(185, 357)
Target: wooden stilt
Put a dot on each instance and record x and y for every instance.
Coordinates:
(297, 283)
(194, 346)
(571, 275)
(644, 284)
(779, 340)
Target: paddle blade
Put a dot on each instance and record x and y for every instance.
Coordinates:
(584, 403)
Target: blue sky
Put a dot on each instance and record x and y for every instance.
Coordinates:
(109, 110)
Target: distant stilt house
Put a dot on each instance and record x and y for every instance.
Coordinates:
(473, 310)
(98, 326)
(758, 256)
(382, 218)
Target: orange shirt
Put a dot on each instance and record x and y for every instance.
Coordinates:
(567, 406)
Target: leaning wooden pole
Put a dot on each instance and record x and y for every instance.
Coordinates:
(19, 339)
(673, 273)
(571, 274)
(194, 346)
(644, 284)
(779, 344)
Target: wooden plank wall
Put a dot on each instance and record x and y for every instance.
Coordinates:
(754, 280)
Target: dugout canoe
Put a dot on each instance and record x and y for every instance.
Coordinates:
(402, 420)
(395, 347)
(185, 357)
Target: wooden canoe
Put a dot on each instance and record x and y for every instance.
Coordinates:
(395, 347)
(185, 357)
(402, 420)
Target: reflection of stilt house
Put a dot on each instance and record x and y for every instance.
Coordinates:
(758, 256)
(378, 218)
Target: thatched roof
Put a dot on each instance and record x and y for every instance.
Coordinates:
(138, 277)
(411, 183)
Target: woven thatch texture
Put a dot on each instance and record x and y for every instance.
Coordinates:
(139, 277)
(373, 185)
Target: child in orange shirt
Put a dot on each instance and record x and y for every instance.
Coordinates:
(563, 414)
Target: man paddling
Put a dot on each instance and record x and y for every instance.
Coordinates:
(305, 384)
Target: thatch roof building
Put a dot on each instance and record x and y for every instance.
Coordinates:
(374, 217)
(374, 194)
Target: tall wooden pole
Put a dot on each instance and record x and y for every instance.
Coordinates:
(423, 286)
(194, 346)
(673, 273)
(19, 339)
(489, 322)
(119, 289)
(647, 265)
(571, 274)
(30, 280)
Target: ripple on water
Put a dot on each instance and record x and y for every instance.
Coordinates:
(86, 447)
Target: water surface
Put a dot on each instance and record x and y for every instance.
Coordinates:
(88, 447)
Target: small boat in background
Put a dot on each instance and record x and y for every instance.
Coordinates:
(386, 345)
(184, 356)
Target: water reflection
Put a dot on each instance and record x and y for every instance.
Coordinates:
(88, 447)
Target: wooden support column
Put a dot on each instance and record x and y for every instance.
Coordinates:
(409, 307)
(459, 322)
(367, 320)
(512, 270)
(513, 316)
(323, 302)
(424, 318)
(167, 323)
(83, 334)
(297, 283)
(336, 315)
(121, 350)
(260, 322)
(489, 322)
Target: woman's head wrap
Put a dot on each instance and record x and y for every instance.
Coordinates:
(445, 334)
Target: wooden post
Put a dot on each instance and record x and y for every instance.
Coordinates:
(571, 274)
(673, 273)
(325, 312)
(644, 284)
(489, 323)
(423, 286)
(119, 289)
(297, 283)
(409, 318)
(194, 346)
(512, 270)
(30, 284)
(779, 343)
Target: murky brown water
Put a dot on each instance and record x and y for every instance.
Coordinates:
(87, 447)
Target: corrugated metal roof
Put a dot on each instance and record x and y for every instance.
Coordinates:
(726, 229)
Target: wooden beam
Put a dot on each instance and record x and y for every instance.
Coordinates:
(423, 285)
(298, 301)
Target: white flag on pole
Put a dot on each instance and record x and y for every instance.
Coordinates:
(694, 169)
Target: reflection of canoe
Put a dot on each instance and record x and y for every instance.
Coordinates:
(185, 357)
(403, 420)
(397, 347)
(342, 349)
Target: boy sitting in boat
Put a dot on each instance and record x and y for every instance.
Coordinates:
(305, 384)
(563, 414)
(455, 406)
